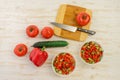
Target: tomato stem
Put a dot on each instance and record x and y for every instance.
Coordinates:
(31, 29)
(84, 16)
(20, 49)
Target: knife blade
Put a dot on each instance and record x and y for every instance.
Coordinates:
(72, 28)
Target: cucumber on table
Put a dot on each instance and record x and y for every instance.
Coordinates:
(48, 44)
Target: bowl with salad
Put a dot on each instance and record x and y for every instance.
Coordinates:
(63, 64)
(91, 52)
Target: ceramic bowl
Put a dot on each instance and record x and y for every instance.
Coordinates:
(66, 62)
(91, 52)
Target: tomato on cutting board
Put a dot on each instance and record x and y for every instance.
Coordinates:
(83, 18)
(47, 32)
(20, 50)
(32, 30)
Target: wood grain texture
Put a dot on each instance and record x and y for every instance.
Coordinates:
(67, 15)
(15, 15)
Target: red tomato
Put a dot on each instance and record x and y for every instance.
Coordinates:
(47, 32)
(32, 31)
(86, 56)
(20, 50)
(83, 18)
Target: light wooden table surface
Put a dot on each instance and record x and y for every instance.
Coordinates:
(15, 15)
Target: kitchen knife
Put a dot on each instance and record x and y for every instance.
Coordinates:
(72, 29)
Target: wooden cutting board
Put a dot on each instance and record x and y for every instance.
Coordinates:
(67, 15)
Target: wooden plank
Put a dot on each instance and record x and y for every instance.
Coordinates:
(59, 19)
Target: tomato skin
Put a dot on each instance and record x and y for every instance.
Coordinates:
(83, 18)
(20, 50)
(32, 31)
(47, 32)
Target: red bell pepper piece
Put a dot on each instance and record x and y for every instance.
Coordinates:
(38, 56)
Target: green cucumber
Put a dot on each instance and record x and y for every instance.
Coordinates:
(48, 44)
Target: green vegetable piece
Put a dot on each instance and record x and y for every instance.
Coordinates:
(91, 61)
(48, 44)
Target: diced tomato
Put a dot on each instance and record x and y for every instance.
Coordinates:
(65, 63)
(86, 56)
(91, 51)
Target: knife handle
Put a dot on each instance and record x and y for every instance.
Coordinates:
(86, 31)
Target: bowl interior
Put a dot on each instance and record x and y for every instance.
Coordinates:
(59, 73)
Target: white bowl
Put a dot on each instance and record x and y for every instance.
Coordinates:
(62, 75)
(83, 59)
